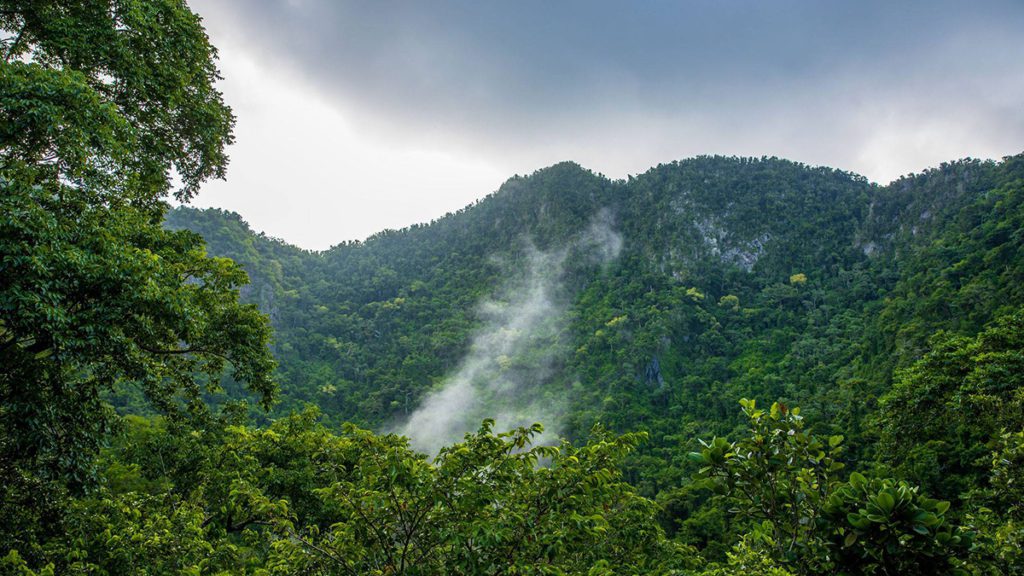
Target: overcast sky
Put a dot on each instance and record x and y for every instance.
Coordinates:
(359, 116)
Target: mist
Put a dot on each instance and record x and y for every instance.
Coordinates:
(517, 349)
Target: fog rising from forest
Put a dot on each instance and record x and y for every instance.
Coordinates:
(514, 350)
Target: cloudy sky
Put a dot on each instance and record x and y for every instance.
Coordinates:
(359, 116)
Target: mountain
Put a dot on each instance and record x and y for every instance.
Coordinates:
(653, 303)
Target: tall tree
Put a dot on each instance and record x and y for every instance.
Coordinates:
(106, 108)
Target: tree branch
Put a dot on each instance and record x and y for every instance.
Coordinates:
(13, 48)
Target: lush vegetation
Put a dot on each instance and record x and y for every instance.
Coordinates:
(150, 424)
(891, 314)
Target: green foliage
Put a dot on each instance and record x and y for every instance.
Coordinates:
(102, 106)
(484, 506)
(892, 313)
(780, 479)
(14, 565)
(943, 412)
(783, 482)
(745, 560)
(296, 498)
(887, 526)
(998, 510)
(112, 95)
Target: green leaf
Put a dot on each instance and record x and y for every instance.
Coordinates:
(858, 521)
(885, 501)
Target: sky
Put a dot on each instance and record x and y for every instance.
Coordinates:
(357, 116)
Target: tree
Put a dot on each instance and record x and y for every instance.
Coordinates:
(493, 504)
(998, 511)
(112, 95)
(104, 105)
(780, 477)
(941, 417)
(784, 483)
(296, 498)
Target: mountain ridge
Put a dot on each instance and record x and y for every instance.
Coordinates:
(754, 277)
(575, 165)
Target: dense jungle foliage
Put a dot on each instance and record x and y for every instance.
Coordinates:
(891, 314)
(160, 415)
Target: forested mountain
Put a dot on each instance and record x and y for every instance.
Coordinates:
(736, 278)
(731, 278)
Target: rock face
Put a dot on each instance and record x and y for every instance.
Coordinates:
(652, 372)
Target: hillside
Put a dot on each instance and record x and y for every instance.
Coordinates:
(713, 279)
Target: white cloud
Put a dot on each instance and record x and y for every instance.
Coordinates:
(303, 171)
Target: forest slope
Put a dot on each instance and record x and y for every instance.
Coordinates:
(730, 278)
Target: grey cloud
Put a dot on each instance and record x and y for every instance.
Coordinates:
(534, 78)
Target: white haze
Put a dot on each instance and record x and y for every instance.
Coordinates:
(514, 352)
